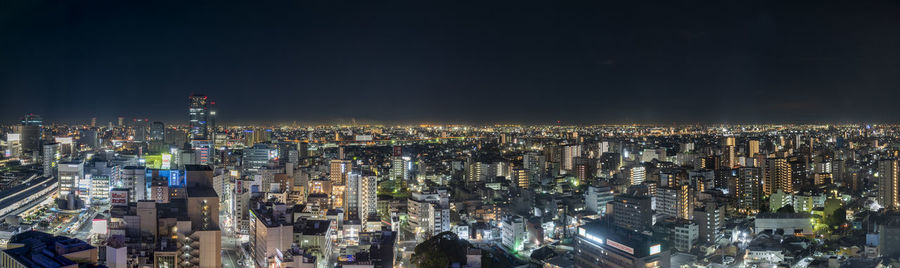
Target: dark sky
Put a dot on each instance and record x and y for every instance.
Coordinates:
(453, 61)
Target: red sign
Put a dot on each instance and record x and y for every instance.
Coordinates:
(620, 246)
(118, 198)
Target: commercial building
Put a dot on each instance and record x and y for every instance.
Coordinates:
(790, 223)
(33, 249)
(598, 244)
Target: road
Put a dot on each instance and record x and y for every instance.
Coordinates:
(231, 251)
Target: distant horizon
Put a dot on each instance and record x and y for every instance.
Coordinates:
(347, 122)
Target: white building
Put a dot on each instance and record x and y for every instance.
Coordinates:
(513, 233)
(596, 198)
(685, 236)
(791, 223)
(70, 176)
(429, 212)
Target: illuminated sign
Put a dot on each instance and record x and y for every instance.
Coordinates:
(620, 246)
(118, 198)
(655, 249)
(173, 178)
(166, 161)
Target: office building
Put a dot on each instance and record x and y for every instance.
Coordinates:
(199, 117)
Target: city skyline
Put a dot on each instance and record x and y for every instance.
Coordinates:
(430, 134)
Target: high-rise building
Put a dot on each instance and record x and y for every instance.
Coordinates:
(13, 145)
(752, 148)
(50, 158)
(429, 212)
(633, 212)
(636, 175)
(513, 233)
(711, 219)
(70, 175)
(141, 128)
(596, 198)
(399, 168)
(157, 131)
(777, 176)
(889, 183)
(748, 189)
(729, 145)
(674, 201)
(520, 178)
(30, 134)
(199, 116)
(339, 169)
(368, 196)
(569, 154)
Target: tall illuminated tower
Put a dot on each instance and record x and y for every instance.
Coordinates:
(729, 151)
(201, 123)
(199, 113)
(889, 183)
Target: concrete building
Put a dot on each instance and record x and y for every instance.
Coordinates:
(429, 213)
(790, 223)
(632, 212)
(675, 201)
(596, 198)
(710, 220)
(513, 233)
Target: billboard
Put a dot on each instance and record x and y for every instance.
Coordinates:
(166, 161)
(118, 197)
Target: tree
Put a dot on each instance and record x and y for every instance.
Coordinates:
(786, 209)
(440, 251)
(837, 218)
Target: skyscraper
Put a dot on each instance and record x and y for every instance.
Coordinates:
(730, 160)
(157, 131)
(339, 169)
(753, 148)
(199, 114)
(889, 183)
(50, 158)
(747, 189)
(30, 133)
(141, 127)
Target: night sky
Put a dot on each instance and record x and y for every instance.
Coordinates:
(453, 61)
